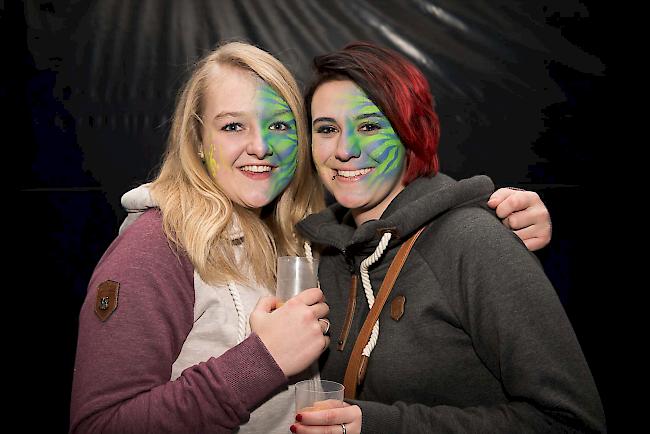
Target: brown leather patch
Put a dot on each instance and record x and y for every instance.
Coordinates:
(397, 307)
(107, 294)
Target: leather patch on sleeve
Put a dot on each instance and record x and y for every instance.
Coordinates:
(107, 294)
(397, 307)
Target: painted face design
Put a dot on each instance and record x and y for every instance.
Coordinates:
(370, 134)
(251, 144)
(279, 132)
(357, 153)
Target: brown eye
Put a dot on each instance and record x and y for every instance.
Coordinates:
(326, 129)
(370, 126)
(278, 126)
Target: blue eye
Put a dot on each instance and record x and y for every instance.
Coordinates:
(279, 126)
(233, 127)
(326, 129)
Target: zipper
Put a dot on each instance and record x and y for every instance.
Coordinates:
(352, 302)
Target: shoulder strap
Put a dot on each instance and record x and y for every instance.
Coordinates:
(356, 369)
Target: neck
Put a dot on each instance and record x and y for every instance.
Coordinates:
(362, 215)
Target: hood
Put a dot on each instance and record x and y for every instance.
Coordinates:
(135, 202)
(138, 200)
(420, 202)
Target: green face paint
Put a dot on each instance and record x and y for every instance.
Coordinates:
(278, 128)
(370, 135)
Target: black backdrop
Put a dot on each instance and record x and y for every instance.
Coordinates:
(90, 87)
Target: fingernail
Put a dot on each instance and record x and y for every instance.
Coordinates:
(299, 417)
(293, 428)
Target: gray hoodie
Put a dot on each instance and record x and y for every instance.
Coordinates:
(473, 337)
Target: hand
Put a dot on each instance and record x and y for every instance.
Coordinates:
(328, 419)
(292, 334)
(524, 213)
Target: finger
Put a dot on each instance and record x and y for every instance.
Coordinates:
(499, 196)
(519, 201)
(514, 202)
(329, 416)
(265, 304)
(324, 405)
(320, 310)
(532, 216)
(535, 243)
(299, 428)
(310, 296)
(528, 233)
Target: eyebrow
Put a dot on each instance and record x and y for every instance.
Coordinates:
(332, 120)
(228, 114)
(356, 118)
(237, 114)
(368, 115)
(281, 112)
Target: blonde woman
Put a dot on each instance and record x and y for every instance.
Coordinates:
(172, 337)
(165, 343)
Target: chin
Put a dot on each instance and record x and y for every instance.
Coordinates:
(351, 202)
(255, 202)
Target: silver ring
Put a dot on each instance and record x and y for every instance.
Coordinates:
(345, 431)
(327, 328)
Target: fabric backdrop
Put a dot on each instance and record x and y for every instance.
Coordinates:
(90, 86)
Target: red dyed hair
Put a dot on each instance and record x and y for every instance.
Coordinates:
(398, 88)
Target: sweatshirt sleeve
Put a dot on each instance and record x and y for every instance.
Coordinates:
(519, 330)
(123, 364)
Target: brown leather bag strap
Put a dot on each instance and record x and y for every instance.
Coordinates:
(356, 369)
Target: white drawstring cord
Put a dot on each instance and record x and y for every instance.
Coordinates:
(241, 318)
(367, 287)
(234, 293)
(236, 233)
(310, 258)
(308, 253)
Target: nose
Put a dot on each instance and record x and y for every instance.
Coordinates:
(257, 145)
(347, 147)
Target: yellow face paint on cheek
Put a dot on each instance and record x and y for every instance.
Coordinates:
(213, 165)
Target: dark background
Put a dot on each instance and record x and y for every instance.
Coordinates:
(521, 89)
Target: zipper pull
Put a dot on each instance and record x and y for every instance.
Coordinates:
(349, 260)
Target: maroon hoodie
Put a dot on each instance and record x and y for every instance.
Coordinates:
(131, 333)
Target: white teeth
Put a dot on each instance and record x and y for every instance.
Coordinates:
(353, 173)
(257, 169)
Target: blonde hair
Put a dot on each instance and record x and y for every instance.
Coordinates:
(197, 216)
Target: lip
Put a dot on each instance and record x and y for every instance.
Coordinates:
(344, 179)
(257, 176)
(272, 166)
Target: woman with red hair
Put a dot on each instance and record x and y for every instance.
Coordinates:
(475, 338)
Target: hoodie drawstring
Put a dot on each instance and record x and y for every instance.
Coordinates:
(241, 317)
(236, 299)
(308, 253)
(367, 287)
(310, 258)
(235, 234)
